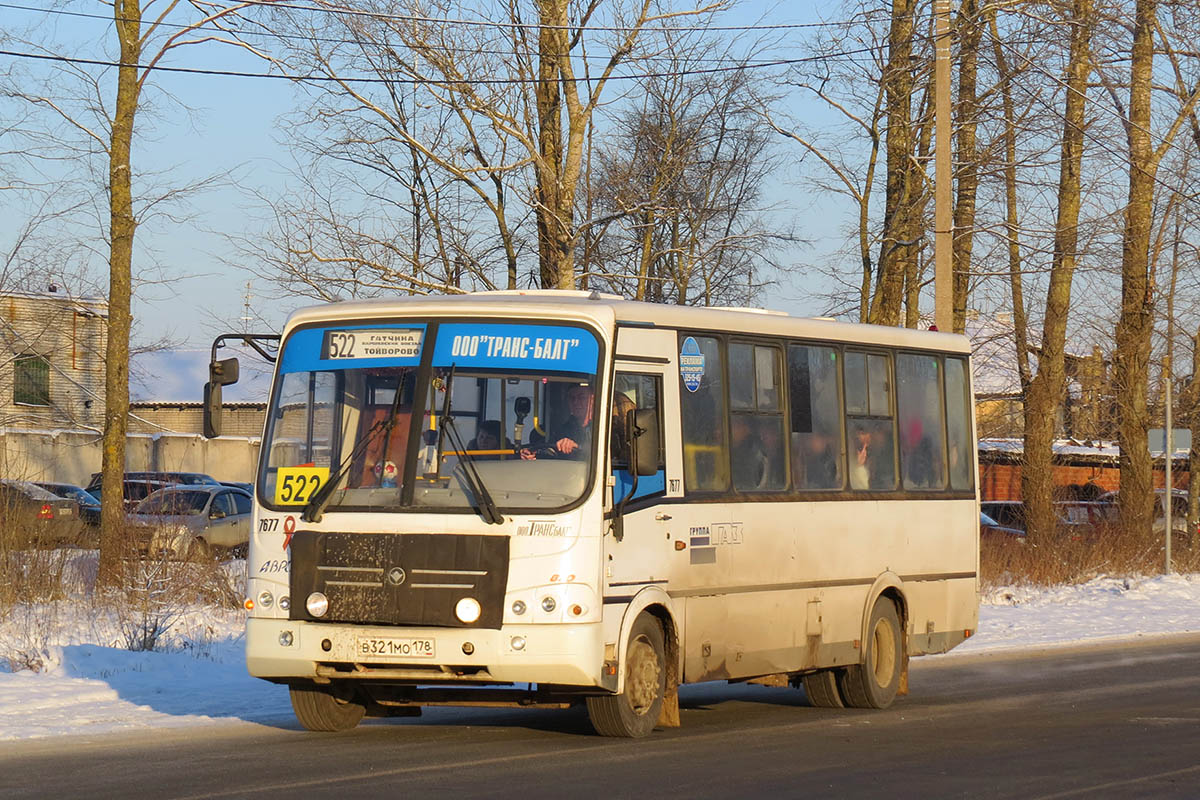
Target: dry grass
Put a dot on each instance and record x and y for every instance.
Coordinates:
(1071, 558)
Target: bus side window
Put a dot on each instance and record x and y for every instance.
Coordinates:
(756, 418)
(922, 427)
(869, 422)
(958, 425)
(633, 391)
(702, 409)
(818, 451)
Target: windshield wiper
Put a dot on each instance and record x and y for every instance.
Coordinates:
(324, 493)
(487, 505)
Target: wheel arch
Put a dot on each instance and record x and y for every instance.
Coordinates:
(888, 585)
(654, 601)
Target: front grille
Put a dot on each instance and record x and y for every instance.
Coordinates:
(401, 578)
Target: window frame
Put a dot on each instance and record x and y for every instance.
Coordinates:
(25, 383)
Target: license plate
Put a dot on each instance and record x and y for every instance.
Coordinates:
(386, 647)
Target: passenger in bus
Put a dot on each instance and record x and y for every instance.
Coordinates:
(575, 436)
(860, 460)
(751, 466)
(488, 437)
(820, 461)
(622, 405)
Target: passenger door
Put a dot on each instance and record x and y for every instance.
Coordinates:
(644, 555)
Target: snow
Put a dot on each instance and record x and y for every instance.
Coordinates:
(90, 685)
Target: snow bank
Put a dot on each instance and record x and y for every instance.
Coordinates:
(89, 685)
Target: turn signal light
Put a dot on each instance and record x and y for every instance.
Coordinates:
(249, 604)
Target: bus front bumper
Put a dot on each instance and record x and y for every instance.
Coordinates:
(564, 654)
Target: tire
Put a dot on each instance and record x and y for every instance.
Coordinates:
(875, 682)
(634, 712)
(822, 689)
(318, 709)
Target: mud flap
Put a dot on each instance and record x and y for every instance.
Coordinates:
(669, 716)
(903, 689)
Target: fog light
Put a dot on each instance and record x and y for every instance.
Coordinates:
(548, 604)
(468, 648)
(285, 639)
(317, 604)
(467, 610)
(285, 602)
(266, 599)
(326, 645)
(518, 607)
(518, 643)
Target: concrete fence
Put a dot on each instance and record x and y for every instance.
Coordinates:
(72, 456)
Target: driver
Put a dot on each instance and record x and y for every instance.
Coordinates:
(575, 435)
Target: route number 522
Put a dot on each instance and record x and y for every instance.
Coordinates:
(294, 486)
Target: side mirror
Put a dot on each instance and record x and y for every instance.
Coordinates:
(223, 372)
(644, 440)
(220, 373)
(212, 410)
(216, 513)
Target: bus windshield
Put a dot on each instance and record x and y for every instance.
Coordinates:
(365, 407)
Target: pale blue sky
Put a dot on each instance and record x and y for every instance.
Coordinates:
(232, 129)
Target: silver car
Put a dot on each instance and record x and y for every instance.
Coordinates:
(195, 521)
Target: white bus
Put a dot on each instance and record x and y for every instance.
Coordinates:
(548, 498)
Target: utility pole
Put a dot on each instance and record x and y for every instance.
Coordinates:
(943, 233)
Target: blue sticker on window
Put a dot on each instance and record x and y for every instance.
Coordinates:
(556, 348)
(691, 364)
(353, 346)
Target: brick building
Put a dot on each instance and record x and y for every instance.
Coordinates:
(52, 362)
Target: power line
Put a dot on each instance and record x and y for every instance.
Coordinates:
(783, 62)
(537, 26)
(322, 39)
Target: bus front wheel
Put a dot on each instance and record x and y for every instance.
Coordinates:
(634, 712)
(875, 682)
(319, 709)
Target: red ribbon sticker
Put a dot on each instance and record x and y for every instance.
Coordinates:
(289, 527)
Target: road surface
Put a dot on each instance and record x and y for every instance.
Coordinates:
(1109, 721)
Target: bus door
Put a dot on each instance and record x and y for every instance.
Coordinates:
(643, 378)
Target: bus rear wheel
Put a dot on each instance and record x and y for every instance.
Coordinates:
(318, 708)
(822, 689)
(634, 712)
(875, 682)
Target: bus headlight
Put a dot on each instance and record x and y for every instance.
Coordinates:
(549, 604)
(266, 599)
(467, 610)
(317, 604)
(518, 607)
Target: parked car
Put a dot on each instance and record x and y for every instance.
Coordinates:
(135, 491)
(1179, 508)
(37, 516)
(1074, 517)
(189, 478)
(243, 485)
(89, 506)
(989, 527)
(195, 521)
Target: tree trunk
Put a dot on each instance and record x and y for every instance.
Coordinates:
(1131, 362)
(1012, 227)
(128, 15)
(1044, 398)
(970, 34)
(553, 221)
(896, 250)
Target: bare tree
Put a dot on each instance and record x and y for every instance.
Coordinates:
(104, 133)
(1046, 390)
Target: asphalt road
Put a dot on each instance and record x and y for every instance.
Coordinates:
(1115, 721)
